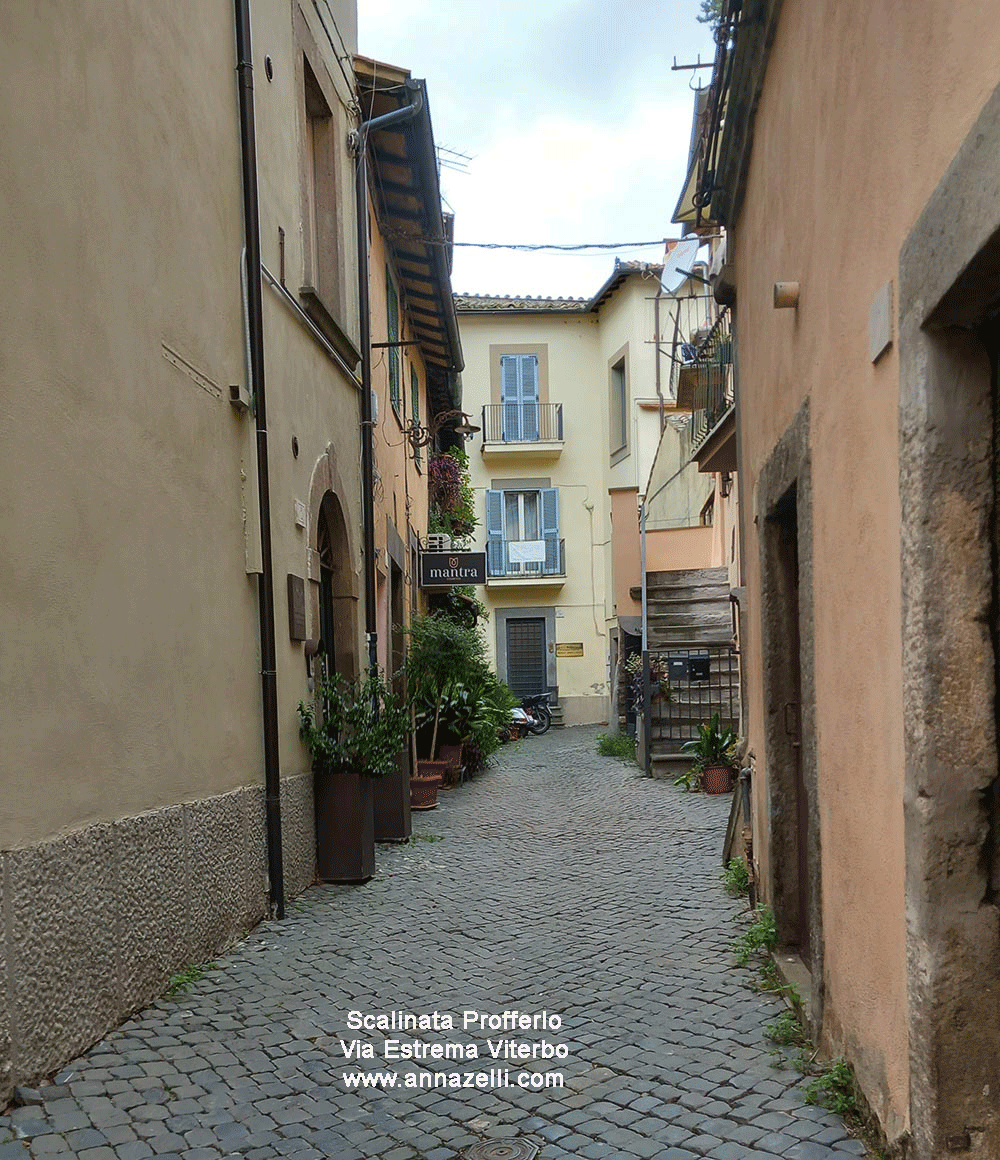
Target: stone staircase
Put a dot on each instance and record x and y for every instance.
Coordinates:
(689, 621)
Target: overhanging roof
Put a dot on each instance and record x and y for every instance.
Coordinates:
(407, 197)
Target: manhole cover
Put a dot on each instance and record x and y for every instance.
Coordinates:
(519, 1149)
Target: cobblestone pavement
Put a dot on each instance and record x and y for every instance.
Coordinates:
(562, 883)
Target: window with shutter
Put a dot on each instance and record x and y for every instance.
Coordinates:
(392, 315)
(519, 397)
(415, 407)
(494, 533)
(523, 532)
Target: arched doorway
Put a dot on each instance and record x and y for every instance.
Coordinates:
(336, 600)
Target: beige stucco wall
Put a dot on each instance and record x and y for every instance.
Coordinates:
(581, 605)
(131, 674)
(834, 186)
(627, 552)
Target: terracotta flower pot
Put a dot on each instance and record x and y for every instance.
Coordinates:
(451, 755)
(425, 785)
(717, 779)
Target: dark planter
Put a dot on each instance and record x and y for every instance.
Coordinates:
(392, 803)
(345, 827)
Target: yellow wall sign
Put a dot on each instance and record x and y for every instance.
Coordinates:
(570, 650)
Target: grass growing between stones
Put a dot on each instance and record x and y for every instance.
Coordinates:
(180, 982)
(616, 745)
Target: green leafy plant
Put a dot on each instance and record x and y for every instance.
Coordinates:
(352, 727)
(616, 745)
(786, 1031)
(713, 745)
(834, 1089)
(735, 878)
(454, 694)
(690, 780)
(414, 839)
(759, 937)
(180, 982)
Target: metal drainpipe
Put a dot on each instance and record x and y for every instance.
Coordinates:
(265, 585)
(364, 303)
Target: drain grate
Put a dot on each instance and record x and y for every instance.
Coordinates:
(519, 1149)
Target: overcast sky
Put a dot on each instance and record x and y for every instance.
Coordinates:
(577, 128)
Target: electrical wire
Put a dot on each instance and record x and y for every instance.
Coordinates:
(402, 235)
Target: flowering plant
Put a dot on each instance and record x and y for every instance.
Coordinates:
(657, 677)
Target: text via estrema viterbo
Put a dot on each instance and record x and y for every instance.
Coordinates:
(409, 1038)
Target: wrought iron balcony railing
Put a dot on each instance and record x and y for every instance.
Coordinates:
(715, 385)
(525, 559)
(524, 423)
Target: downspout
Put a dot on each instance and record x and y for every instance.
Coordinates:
(647, 700)
(365, 129)
(265, 584)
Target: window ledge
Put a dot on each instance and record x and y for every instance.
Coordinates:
(315, 307)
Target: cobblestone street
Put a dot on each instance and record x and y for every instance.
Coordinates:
(558, 881)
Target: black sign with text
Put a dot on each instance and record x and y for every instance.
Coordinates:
(449, 569)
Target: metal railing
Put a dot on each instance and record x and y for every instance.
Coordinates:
(507, 559)
(522, 423)
(686, 685)
(715, 393)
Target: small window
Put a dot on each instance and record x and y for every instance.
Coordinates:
(708, 512)
(618, 414)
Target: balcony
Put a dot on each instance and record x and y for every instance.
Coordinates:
(525, 563)
(706, 385)
(534, 429)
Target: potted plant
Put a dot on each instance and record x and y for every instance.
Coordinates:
(714, 750)
(354, 732)
(441, 655)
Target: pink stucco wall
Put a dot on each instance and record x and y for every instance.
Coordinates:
(862, 110)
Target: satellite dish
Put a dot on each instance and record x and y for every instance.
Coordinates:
(678, 263)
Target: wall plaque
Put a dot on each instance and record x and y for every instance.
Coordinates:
(296, 608)
(571, 649)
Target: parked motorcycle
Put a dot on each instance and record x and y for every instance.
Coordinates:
(537, 709)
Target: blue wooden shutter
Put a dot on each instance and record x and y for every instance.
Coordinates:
(529, 398)
(550, 531)
(519, 397)
(494, 533)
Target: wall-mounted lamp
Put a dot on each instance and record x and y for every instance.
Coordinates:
(786, 295)
(419, 436)
(725, 484)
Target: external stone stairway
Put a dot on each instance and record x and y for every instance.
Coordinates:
(689, 623)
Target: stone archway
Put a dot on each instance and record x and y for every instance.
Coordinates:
(333, 573)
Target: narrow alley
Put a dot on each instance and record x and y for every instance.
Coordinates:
(559, 884)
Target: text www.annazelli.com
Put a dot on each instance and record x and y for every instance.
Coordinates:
(495, 1078)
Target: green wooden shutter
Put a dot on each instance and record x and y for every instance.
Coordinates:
(415, 406)
(392, 315)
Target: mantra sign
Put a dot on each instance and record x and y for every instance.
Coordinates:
(447, 569)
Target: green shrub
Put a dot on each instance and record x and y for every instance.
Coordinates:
(616, 745)
(353, 727)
